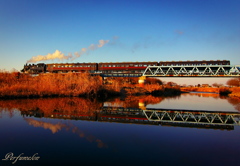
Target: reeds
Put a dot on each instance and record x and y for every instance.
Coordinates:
(69, 84)
(16, 85)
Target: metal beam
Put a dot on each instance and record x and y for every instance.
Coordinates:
(211, 118)
(189, 71)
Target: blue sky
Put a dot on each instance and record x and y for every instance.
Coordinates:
(133, 30)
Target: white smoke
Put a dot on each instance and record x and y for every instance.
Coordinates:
(56, 55)
(60, 56)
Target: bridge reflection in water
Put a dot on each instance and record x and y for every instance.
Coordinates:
(169, 117)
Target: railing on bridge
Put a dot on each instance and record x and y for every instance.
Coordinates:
(199, 70)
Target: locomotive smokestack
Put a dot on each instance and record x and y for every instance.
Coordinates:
(60, 56)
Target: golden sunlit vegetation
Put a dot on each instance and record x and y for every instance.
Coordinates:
(134, 101)
(70, 84)
(234, 82)
(130, 86)
(231, 91)
(48, 106)
(17, 85)
(235, 92)
(200, 89)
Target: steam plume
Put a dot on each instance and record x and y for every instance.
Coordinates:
(60, 56)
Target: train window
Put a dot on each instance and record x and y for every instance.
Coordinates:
(131, 64)
(122, 65)
(109, 65)
(105, 65)
(113, 65)
(145, 65)
(135, 65)
(140, 65)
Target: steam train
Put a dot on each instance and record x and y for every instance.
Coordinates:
(111, 67)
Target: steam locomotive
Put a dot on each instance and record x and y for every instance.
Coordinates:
(111, 67)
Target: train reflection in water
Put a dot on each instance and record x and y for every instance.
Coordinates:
(165, 117)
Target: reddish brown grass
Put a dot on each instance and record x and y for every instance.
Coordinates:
(69, 84)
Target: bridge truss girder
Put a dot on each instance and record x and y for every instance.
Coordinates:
(214, 70)
(210, 118)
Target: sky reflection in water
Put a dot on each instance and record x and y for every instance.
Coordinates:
(29, 127)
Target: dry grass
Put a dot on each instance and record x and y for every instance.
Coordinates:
(200, 89)
(15, 85)
(70, 84)
(233, 92)
(153, 87)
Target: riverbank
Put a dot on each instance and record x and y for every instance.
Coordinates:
(15, 85)
(48, 85)
(230, 91)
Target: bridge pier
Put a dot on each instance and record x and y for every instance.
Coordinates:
(141, 81)
(141, 104)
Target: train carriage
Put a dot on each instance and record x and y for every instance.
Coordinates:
(194, 63)
(71, 67)
(124, 67)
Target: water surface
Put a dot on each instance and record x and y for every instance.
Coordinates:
(78, 131)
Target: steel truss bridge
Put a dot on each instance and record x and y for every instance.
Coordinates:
(193, 117)
(189, 118)
(150, 116)
(194, 70)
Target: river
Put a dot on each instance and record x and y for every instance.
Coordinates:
(191, 129)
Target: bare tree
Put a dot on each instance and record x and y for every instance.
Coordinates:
(234, 82)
